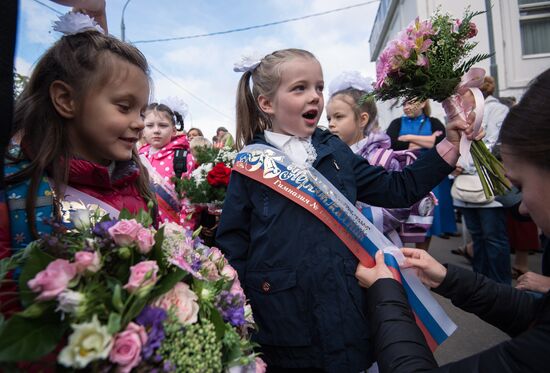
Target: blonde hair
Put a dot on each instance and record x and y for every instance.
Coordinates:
(266, 78)
(359, 104)
(197, 142)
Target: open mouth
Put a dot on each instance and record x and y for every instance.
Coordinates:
(311, 114)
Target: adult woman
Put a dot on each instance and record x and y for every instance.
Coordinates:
(525, 137)
(417, 130)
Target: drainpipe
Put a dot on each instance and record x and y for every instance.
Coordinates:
(493, 68)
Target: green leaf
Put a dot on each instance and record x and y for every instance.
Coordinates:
(144, 218)
(156, 251)
(29, 339)
(125, 214)
(166, 283)
(137, 304)
(36, 310)
(113, 326)
(117, 298)
(218, 322)
(37, 261)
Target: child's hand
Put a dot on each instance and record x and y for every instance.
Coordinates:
(428, 270)
(368, 276)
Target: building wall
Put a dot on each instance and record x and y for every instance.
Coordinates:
(514, 70)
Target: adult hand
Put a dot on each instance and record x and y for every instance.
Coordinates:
(428, 270)
(534, 282)
(368, 276)
(458, 170)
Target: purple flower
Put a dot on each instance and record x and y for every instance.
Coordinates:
(168, 366)
(101, 229)
(152, 319)
(231, 306)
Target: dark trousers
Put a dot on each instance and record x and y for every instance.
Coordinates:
(491, 249)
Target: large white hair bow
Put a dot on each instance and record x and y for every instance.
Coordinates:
(247, 63)
(73, 23)
(176, 104)
(350, 79)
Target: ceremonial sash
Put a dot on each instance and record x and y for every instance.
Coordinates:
(310, 189)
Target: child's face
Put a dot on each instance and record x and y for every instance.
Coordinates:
(342, 121)
(158, 129)
(413, 109)
(109, 120)
(298, 103)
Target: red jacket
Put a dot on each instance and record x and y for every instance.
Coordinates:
(118, 190)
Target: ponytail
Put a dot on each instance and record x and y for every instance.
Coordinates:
(250, 119)
(178, 121)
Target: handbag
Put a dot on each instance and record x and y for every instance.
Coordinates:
(468, 188)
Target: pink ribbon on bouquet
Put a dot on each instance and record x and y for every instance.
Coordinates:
(467, 108)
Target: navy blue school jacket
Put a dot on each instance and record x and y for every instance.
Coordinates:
(297, 274)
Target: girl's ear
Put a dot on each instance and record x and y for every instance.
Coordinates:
(364, 120)
(63, 100)
(265, 104)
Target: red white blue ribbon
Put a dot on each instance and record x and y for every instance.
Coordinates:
(310, 189)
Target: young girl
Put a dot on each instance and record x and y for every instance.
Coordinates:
(298, 275)
(353, 119)
(75, 129)
(165, 155)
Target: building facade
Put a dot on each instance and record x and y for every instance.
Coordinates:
(516, 31)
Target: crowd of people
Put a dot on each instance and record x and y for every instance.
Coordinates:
(84, 129)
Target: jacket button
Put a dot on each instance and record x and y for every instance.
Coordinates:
(266, 286)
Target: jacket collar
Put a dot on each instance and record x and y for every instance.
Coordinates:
(319, 139)
(82, 172)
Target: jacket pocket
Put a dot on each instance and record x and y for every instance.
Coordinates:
(279, 308)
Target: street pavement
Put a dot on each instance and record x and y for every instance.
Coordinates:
(473, 334)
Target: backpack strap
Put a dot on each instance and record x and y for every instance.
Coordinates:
(180, 162)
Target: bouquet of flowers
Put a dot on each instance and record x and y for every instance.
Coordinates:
(119, 295)
(209, 181)
(429, 60)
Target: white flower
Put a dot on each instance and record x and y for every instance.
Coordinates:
(247, 63)
(74, 23)
(80, 218)
(89, 341)
(69, 301)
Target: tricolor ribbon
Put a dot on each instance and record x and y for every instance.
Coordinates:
(310, 189)
(467, 108)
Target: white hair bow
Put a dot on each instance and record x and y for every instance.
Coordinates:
(73, 23)
(247, 63)
(350, 79)
(176, 104)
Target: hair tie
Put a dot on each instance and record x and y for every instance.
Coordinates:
(74, 23)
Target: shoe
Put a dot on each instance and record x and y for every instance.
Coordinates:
(462, 252)
(453, 234)
(445, 236)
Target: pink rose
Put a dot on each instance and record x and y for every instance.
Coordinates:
(229, 272)
(53, 280)
(145, 240)
(182, 300)
(87, 261)
(126, 351)
(261, 366)
(125, 232)
(211, 271)
(236, 287)
(473, 30)
(138, 275)
(215, 254)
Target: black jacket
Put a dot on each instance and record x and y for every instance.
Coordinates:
(296, 272)
(400, 346)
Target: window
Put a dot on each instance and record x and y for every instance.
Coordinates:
(534, 21)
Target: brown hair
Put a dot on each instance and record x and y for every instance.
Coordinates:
(175, 117)
(83, 61)
(266, 78)
(356, 99)
(488, 86)
(525, 132)
(195, 129)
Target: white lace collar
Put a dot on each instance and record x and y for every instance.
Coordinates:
(299, 150)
